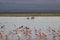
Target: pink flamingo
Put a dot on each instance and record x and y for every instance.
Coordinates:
(13, 32)
(27, 32)
(40, 34)
(58, 34)
(1, 35)
(49, 29)
(54, 34)
(10, 34)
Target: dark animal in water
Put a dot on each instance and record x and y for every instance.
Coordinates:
(20, 27)
(28, 18)
(2, 26)
(32, 17)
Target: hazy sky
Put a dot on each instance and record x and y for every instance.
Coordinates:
(31, 5)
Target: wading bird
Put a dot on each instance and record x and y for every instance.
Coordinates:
(1, 35)
(27, 32)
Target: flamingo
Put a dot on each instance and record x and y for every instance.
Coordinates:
(27, 32)
(58, 34)
(40, 34)
(10, 34)
(54, 34)
(1, 35)
(14, 32)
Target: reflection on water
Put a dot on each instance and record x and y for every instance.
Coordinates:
(29, 28)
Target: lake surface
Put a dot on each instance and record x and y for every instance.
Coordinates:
(38, 22)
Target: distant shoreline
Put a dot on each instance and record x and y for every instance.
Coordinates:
(23, 14)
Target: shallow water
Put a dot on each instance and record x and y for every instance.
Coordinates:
(38, 23)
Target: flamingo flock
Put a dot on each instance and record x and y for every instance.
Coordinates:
(27, 32)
